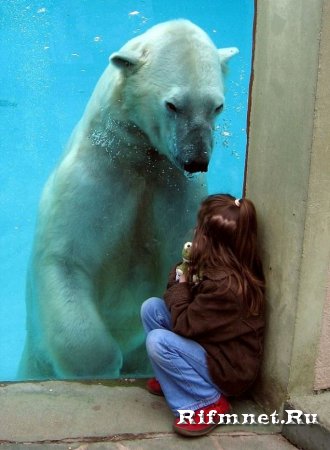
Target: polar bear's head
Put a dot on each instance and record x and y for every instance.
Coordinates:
(172, 81)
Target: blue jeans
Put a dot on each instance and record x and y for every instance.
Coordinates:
(179, 363)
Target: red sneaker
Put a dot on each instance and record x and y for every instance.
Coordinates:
(154, 387)
(201, 423)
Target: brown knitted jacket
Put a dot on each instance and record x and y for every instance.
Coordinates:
(213, 315)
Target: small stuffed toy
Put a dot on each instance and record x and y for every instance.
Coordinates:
(183, 267)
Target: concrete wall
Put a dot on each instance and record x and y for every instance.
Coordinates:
(312, 295)
(288, 179)
(322, 367)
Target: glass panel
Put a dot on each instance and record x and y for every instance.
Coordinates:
(109, 238)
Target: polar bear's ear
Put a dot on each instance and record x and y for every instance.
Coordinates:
(226, 53)
(124, 60)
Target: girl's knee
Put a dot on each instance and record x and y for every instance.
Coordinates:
(149, 306)
(157, 342)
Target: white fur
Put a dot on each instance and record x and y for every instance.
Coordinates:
(117, 208)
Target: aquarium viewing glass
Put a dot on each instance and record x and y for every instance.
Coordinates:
(52, 55)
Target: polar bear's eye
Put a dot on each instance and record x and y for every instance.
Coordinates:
(218, 109)
(171, 107)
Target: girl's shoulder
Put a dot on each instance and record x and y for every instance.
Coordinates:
(218, 279)
(221, 280)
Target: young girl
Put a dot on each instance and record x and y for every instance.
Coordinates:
(205, 338)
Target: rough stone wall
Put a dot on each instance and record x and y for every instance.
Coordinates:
(322, 366)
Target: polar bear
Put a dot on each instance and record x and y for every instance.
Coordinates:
(116, 210)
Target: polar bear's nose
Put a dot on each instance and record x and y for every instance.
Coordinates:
(198, 165)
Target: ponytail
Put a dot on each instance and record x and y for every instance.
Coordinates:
(253, 282)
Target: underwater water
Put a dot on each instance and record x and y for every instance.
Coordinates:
(52, 55)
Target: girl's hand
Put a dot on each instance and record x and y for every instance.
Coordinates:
(182, 278)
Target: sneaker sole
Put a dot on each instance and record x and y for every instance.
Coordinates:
(189, 433)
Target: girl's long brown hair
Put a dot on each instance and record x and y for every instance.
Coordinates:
(226, 239)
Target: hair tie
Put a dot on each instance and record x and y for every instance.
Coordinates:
(237, 202)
